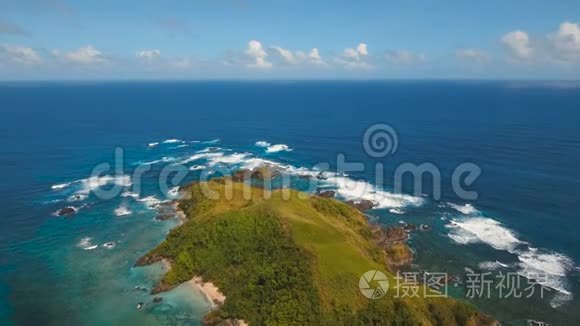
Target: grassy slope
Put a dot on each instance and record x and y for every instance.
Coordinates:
(290, 259)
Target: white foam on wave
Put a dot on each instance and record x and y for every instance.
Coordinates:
(151, 201)
(164, 159)
(196, 167)
(262, 143)
(396, 211)
(213, 141)
(86, 244)
(153, 144)
(545, 267)
(129, 194)
(85, 186)
(484, 230)
(231, 159)
(351, 189)
(77, 197)
(173, 192)
(278, 148)
(466, 209)
(122, 211)
(491, 265)
(172, 141)
(199, 156)
(61, 185)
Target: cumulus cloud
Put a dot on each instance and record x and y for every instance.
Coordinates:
(355, 58)
(404, 57)
(148, 54)
(84, 55)
(472, 55)
(19, 54)
(566, 42)
(258, 55)
(299, 57)
(518, 44)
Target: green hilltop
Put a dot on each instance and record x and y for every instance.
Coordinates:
(289, 258)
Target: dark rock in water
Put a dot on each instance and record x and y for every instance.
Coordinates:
(325, 193)
(162, 287)
(148, 260)
(157, 299)
(140, 305)
(410, 227)
(69, 210)
(109, 245)
(305, 177)
(164, 216)
(394, 234)
(362, 205)
(425, 227)
(320, 176)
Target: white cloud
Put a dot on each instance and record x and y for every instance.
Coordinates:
(298, 57)
(287, 55)
(404, 57)
(148, 54)
(258, 55)
(472, 55)
(518, 44)
(355, 58)
(19, 54)
(566, 42)
(84, 55)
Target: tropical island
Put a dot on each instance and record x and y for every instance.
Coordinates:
(288, 257)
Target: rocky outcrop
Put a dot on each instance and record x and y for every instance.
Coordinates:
(265, 172)
(362, 205)
(66, 211)
(162, 287)
(148, 260)
(325, 193)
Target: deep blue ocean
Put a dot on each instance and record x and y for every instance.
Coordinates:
(524, 136)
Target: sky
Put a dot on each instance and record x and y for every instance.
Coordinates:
(294, 39)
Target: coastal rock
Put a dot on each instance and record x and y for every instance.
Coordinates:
(398, 255)
(164, 216)
(320, 176)
(425, 227)
(148, 260)
(69, 210)
(265, 172)
(162, 287)
(325, 193)
(362, 205)
(157, 299)
(241, 175)
(394, 234)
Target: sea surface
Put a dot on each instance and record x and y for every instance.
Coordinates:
(523, 136)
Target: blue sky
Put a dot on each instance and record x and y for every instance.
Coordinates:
(54, 39)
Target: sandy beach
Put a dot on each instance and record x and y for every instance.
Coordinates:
(211, 291)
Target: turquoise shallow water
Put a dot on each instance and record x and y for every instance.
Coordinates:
(524, 139)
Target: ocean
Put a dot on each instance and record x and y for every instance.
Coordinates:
(522, 136)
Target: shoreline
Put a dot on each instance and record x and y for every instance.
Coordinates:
(209, 290)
